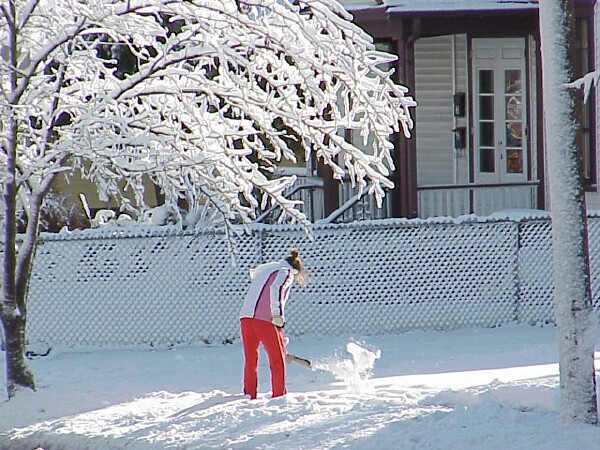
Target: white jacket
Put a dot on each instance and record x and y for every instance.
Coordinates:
(269, 289)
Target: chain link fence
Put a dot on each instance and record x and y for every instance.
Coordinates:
(147, 287)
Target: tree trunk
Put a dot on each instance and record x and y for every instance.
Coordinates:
(13, 313)
(18, 374)
(575, 317)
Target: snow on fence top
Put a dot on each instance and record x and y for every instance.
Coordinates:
(133, 287)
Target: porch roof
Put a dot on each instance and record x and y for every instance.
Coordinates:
(409, 6)
(358, 5)
(399, 6)
(423, 6)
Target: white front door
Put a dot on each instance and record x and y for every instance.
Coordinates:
(500, 119)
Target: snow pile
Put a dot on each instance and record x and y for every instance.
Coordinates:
(520, 395)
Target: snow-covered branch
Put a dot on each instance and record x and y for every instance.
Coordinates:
(586, 83)
(205, 97)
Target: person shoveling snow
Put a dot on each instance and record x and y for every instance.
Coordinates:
(262, 319)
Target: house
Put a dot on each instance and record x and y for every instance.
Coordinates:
(474, 67)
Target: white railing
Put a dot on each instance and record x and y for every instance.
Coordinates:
(363, 208)
(310, 191)
(451, 200)
(454, 200)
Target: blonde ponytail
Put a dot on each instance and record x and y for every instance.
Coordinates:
(294, 260)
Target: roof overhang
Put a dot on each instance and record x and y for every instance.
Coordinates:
(367, 10)
(445, 6)
(432, 6)
(454, 6)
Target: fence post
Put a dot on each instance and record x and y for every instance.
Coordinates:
(518, 274)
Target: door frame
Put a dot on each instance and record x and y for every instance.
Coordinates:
(499, 120)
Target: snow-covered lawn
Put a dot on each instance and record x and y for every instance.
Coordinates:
(468, 389)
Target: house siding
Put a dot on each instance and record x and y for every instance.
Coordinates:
(76, 185)
(441, 71)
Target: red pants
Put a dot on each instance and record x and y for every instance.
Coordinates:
(255, 332)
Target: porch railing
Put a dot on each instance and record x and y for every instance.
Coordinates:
(451, 200)
(455, 200)
(358, 208)
(310, 192)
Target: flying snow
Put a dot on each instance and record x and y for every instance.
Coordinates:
(354, 370)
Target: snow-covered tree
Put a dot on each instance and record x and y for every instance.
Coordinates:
(575, 317)
(216, 94)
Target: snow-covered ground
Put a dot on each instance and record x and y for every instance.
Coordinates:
(478, 389)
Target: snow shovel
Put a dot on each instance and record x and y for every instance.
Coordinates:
(297, 360)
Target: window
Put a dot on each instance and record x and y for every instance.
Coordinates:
(485, 96)
(513, 120)
(583, 111)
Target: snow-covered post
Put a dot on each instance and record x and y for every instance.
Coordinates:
(575, 317)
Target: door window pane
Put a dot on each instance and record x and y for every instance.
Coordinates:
(514, 134)
(486, 107)
(486, 81)
(486, 134)
(514, 160)
(512, 81)
(513, 107)
(486, 160)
